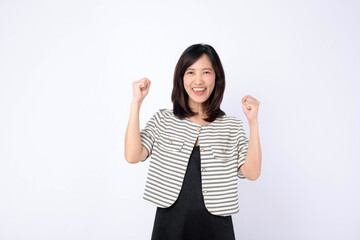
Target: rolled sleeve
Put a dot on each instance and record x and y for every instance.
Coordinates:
(242, 147)
(148, 134)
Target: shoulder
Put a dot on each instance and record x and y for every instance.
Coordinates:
(231, 121)
(166, 111)
(162, 114)
(235, 125)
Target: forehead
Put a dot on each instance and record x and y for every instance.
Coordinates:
(202, 62)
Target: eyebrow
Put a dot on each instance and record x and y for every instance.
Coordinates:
(202, 69)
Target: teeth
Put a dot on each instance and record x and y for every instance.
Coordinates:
(199, 89)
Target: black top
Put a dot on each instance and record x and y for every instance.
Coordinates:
(188, 218)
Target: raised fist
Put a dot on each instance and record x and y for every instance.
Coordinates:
(250, 107)
(141, 89)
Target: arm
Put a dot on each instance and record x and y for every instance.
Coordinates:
(252, 167)
(134, 150)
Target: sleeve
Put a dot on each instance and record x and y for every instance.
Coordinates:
(242, 147)
(147, 134)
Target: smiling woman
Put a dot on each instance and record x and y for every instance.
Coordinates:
(199, 71)
(199, 80)
(197, 152)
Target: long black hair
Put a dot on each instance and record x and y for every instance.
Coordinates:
(179, 96)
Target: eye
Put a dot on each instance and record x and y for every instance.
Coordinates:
(190, 72)
(207, 72)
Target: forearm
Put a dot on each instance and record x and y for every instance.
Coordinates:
(133, 146)
(252, 166)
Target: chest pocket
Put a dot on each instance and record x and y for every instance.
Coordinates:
(223, 152)
(169, 143)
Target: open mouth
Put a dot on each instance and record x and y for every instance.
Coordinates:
(199, 91)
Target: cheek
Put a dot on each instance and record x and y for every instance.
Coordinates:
(211, 86)
(211, 82)
(186, 82)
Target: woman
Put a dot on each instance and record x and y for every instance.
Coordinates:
(197, 151)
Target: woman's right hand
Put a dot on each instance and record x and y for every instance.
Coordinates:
(134, 151)
(140, 89)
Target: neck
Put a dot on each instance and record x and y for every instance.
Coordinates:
(199, 108)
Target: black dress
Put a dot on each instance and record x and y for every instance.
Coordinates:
(188, 218)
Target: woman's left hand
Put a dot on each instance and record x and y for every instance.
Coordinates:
(250, 107)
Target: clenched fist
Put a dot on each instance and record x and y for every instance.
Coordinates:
(250, 107)
(140, 89)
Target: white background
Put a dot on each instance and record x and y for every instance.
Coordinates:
(66, 69)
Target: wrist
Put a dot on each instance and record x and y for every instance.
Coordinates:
(253, 123)
(136, 103)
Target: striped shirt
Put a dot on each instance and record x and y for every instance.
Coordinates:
(170, 142)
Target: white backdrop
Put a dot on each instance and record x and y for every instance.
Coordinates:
(66, 69)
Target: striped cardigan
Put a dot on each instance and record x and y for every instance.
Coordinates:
(170, 141)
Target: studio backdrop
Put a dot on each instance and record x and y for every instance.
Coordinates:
(66, 73)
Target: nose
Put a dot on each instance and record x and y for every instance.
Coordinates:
(198, 79)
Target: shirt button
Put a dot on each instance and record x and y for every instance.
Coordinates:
(201, 149)
(203, 169)
(223, 151)
(204, 191)
(170, 141)
(198, 129)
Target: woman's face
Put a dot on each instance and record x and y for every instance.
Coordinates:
(199, 81)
